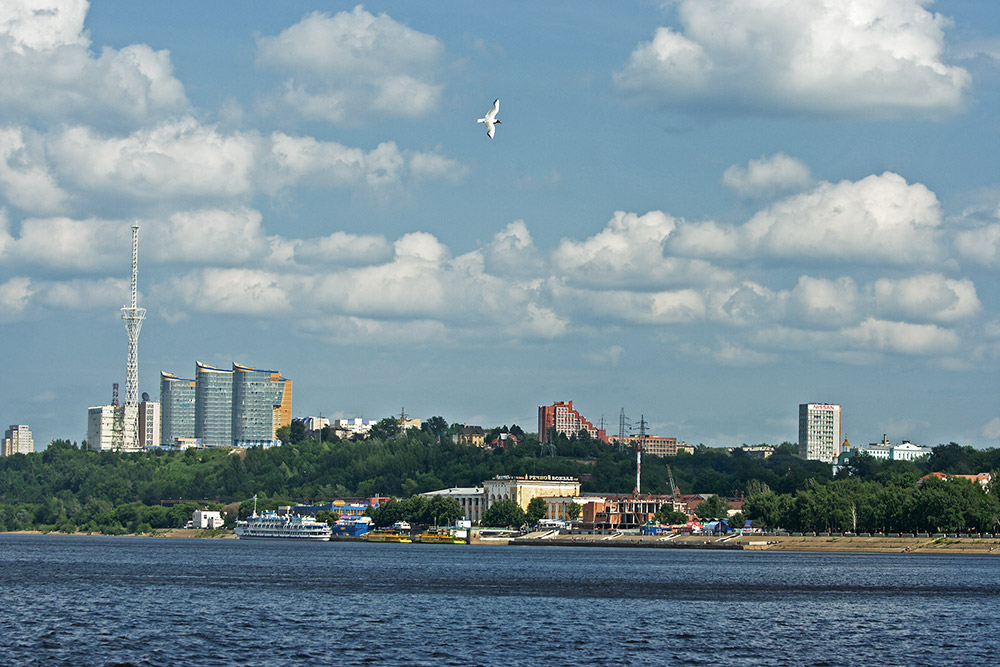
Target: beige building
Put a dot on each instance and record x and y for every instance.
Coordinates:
(472, 500)
(17, 440)
(522, 489)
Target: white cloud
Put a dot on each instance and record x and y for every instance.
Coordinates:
(927, 297)
(879, 219)
(217, 236)
(901, 337)
(352, 64)
(344, 248)
(15, 295)
(981, 244)
(991, 429)
(47, 69)
(768, 176)
(826, 304)
(308, 161)
(80, 294)
(174, 159)
(512, 252)
(608, 356)
(25, 179)
(230, 291)
(836, 58)
(629, 251)
(66, 244)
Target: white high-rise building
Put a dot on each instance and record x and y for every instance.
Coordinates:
(101, 427)
(17, 440)
(819, 432)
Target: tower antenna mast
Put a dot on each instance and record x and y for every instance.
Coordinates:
(133, 317)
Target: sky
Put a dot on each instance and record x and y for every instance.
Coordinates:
(699, 212)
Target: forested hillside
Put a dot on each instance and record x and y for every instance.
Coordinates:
(66, 488)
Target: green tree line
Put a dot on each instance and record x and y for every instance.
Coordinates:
(69, 487)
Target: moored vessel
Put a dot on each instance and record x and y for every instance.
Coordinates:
(386, 536)
(269, 526)
(439, 537)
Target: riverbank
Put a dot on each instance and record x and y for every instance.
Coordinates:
(832, 544)
(844, 544)
(217, 534)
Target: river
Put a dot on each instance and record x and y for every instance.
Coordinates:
(75, 600)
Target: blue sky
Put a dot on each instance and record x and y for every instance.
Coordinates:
(703, 212)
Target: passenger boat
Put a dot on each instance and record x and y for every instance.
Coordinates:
(439, 537)
(386, 536)
(270, 526)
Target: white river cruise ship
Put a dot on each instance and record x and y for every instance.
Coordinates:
(269, 526)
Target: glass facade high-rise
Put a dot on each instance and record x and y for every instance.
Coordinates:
(257, 401)
(177, 397)
(213, 406)
(242, 407)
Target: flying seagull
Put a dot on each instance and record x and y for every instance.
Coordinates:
(491, 119)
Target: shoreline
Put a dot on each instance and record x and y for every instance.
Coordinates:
(787, 543)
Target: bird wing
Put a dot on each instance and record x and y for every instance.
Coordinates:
(490, 130)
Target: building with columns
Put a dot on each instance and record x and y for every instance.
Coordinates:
(522, 489)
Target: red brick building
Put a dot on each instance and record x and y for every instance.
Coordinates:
(564, 419)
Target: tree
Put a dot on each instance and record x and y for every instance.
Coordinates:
(573, 511)
(714, 507)
(386, 429)
(504, 513)
(387, 513)
(327, 516)
(445, 511)
(436, 425)
(670, 516)
(537, 509)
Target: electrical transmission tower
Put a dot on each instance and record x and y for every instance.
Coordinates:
(133, 317)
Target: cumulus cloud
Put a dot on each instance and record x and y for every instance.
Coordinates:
(879, 219)
(82, 294)
(836, 58)
(47, 70)
(629, 251)
(352, 64)
(991, 429)
(344, 248)
(178, 159)
(68, 245)
(25, 178)
(512, 252)
(927, 297)
(767, 176)
(218, 236)
(981, 245)
(824, 304)
(230, 291)
(15, 295)
(308, 161)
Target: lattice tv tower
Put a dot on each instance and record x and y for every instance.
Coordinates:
(133, 317)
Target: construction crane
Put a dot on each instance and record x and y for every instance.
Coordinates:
(674, 491)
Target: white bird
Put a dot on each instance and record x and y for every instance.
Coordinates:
(491, 119)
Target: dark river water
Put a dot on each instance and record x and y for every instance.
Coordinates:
(155, 601)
